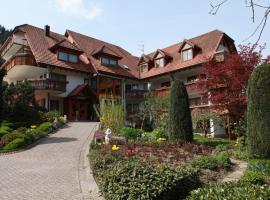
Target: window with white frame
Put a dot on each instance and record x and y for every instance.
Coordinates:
(159, 62)
(144, 67)
(187, 54)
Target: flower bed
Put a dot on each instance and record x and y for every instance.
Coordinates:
(20, 138)
(150, 166)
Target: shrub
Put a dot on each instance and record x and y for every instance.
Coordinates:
(221, 160)
(180, 123)
(131, 133)
(45, 127)
(260, 165)
(206, 162)
(160, 133)
(141, 180)
(111, 116)
(10, 137)
(50, 116)
(254, 177)
(231, 191)
(258, 118)
(5, 128)
(15, 144)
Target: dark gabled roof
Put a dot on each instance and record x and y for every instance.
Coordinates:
(104, 50)
(163, 53)
(80, 88)
(64, 44)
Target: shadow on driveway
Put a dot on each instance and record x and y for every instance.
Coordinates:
(50, 140)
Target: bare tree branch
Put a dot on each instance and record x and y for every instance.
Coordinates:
(252, 5)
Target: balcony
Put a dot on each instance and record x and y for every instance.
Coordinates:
(19, 59)
(109, 96)
(135, 94)
(48, 84)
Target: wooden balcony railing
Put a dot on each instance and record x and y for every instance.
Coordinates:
(137, 94)
(48, 84)
(19, 59)
(109, 96)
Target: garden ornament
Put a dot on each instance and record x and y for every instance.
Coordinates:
(65, 118)
(107, 135)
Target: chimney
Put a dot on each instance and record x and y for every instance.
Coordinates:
(47, 30)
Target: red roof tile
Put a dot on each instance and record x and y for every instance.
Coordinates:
(89, 45)
(207, 44)
(40, 44)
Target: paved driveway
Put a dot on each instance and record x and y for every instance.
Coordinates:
(49, 170)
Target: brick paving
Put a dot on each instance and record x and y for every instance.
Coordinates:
(48, 171)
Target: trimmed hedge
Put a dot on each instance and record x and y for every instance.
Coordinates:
(132, 179)
(231, 191)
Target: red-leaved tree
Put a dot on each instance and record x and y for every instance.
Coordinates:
(225, 83)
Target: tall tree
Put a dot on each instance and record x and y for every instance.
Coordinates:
(258, 115)
(4, 33)
(2, 74)
(180, 123)
(225, 83)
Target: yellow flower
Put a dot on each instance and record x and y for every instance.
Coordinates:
(161, 139)
(33, 126)
(115, 148)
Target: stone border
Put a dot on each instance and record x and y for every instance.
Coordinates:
(88, 185)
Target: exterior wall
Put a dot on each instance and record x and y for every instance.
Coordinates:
(73, 78)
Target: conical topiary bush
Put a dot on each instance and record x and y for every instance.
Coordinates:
(258, 112)
(180, 123)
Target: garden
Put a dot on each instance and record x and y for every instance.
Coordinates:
(171, 162)
(22, 121)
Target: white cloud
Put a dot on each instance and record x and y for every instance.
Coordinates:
(78, 8)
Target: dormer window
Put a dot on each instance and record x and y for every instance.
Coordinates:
(144, 67)
(67, 57)
(108, 62)
(187, 54)
(159, 62)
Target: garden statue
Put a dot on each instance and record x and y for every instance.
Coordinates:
(107, 135)
(65, 118)
(55, 122)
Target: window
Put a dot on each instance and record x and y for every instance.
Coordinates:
(113, 62)
(68, 57)
(159, 62)
(86, 81)
(187, 54)
(63, 56)
(58, 77)
(192, 79)
(73, 58)
(54, 105)
(144, 68)
(107, 61)
(195, 101)
(166, 84)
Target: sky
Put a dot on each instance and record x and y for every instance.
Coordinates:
(133, 24)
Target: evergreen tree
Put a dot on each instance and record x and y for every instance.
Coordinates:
(2, 74)
(180, 123)
(4, 33)
(258, 112)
